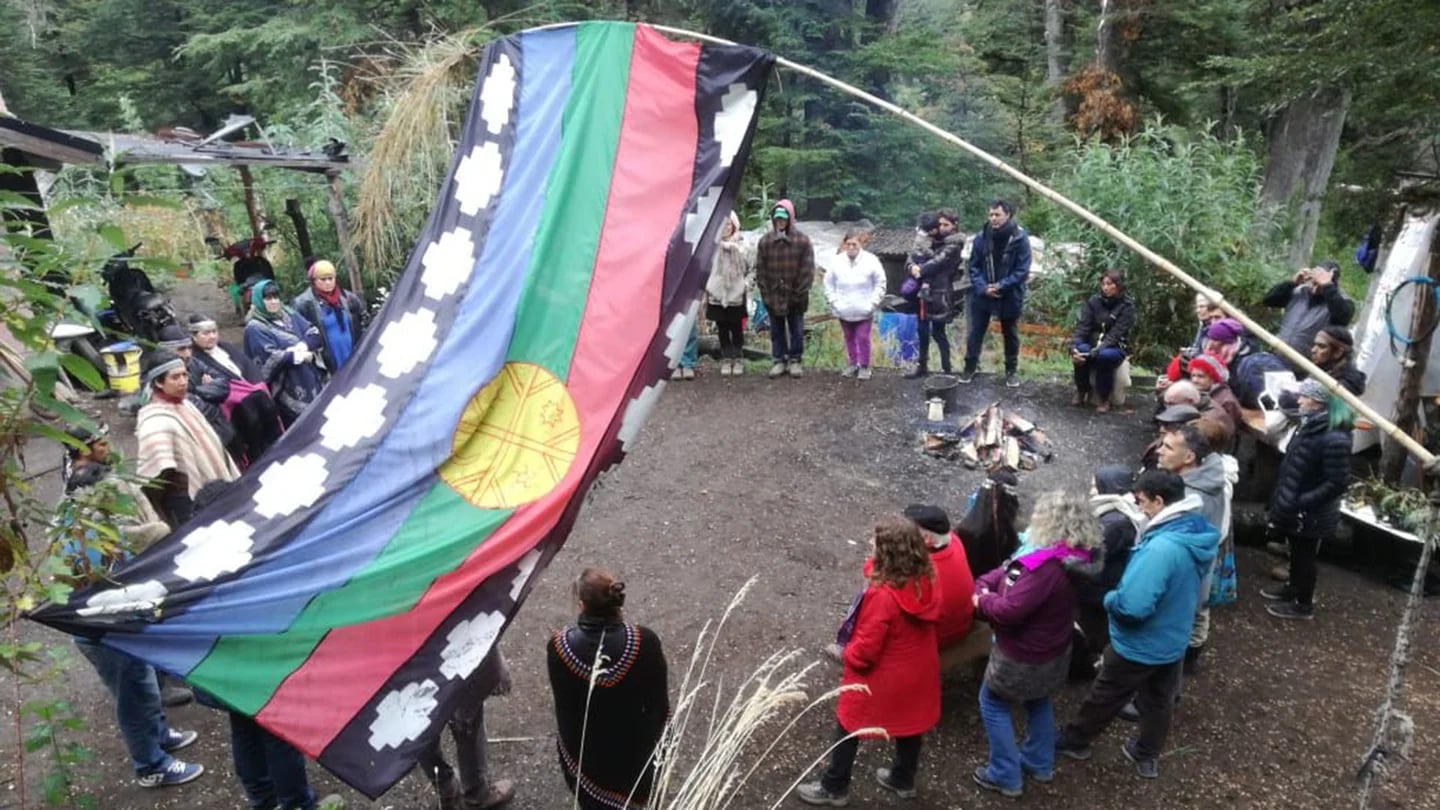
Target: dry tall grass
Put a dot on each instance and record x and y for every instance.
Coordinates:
(712, 770)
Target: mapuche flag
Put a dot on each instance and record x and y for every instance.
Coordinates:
(343, 590)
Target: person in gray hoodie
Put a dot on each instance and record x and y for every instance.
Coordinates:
(1151, 612)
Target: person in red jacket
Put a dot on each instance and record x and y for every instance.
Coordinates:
(1030, 601)
(893, 654)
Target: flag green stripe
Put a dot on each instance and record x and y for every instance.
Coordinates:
(567, 239)
(442, 530)
(437, 536)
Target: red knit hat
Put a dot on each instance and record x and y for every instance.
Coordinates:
(1212, 366)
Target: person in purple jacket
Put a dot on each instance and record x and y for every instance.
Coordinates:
(1030, 602)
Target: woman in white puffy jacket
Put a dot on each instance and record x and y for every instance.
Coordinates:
(854, 285)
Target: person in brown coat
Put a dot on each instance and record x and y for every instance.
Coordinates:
(784, 271)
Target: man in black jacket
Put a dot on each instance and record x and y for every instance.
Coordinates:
(999, 269)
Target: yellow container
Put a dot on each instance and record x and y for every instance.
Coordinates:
(122, 366)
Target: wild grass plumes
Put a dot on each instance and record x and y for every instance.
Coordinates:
(425, 92)
(695, 772)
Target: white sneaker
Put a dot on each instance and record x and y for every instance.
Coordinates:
(724, 368)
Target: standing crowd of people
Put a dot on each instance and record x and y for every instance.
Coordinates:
(1114, 587)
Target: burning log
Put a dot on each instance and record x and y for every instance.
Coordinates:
(991, 439)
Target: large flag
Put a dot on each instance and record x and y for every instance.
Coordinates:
(344, 589)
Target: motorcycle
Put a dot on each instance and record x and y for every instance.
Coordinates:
(141, 310)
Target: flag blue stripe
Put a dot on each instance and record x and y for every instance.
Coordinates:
(358, 522)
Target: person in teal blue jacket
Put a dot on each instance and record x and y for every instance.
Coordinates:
(1151, 612)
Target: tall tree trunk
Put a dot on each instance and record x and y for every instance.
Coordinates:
(1302, 142)
(1057, 62)
(884, 12)
(1106, 57)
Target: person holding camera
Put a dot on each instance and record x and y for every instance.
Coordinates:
(1312, 299)
(1098, 346)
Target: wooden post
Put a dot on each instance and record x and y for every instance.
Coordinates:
(1412, 370)
(342, 231)
(302, 231)
(247, 183)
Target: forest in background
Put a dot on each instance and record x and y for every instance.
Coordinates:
(1238, 137)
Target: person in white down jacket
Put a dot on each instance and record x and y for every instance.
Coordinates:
(854, 285)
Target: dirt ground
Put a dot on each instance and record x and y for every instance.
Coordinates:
(735, 478)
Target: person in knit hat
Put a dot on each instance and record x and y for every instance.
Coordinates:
(784, 272)
(1305, 503)
(726, 292)
(338, 313)
(1211, 378)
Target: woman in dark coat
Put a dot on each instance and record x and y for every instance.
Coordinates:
(1305, 505)
(337, 313)
(1101, 340)
(286, 347)
(231, 382)
(933, 262)
(607, 759)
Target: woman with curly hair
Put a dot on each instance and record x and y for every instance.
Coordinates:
(612, 702)
(1030, 601)
(893, 655)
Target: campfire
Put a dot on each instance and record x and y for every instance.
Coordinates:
(992, 438)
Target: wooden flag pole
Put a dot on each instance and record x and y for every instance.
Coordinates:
(1425, 457)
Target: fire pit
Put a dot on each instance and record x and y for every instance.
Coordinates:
(991, 439)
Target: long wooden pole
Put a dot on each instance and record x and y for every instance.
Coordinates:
(1384, 425)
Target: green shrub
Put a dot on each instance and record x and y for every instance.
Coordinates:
(1192, 198)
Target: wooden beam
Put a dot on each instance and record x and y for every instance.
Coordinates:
(247, 182)
(342, 231)
(1412, 370)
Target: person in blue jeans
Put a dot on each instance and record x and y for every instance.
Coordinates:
(92, 490)
(1030, 603)
(690, 358)
(999, 268)
(1100, 341)
(147, 735)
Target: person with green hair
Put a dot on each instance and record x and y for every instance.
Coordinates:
(1305, 504)
(287, 349)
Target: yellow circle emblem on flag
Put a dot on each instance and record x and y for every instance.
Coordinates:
(516, 439)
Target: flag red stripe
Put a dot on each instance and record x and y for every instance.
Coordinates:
(653, 168)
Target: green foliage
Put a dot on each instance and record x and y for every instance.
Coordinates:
(1191, 198)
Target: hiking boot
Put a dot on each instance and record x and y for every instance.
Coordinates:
(1291, 610)
(724, 368)
(688, 372)
(850, 371)
(777, 370)
(795, 369)
(1281, 572)
(882, 776)
(1012, 380)
(863, 373)
(1147, 767)
(1080, 398)
(816, 794)
(177, 772)
(1278, 593)
(917, 372)
(497, 794)
(176, 739)
(1278, 549)
(836, 651)
(984, 782)
(172, 696)
(967, 376)
(1065, 748)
